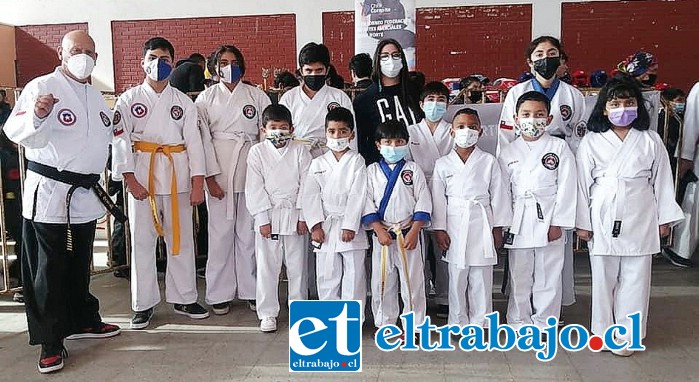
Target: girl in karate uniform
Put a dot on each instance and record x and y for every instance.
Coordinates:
(626, 203)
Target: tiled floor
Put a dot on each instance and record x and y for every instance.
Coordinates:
(224, 348)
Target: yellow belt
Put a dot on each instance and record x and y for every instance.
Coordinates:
(404, 257)
(167, 150)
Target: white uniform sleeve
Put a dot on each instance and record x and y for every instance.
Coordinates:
(262, 102)
(423, 199)
(566, 196)
(256, 198)
(305, 159)
(439, 199)
(346, 102)
(122, 153)
(669, 212)
(370, 205)
(691, 124)
(212, 166)
(356, 198)
(312, 198)
(23, 126)
(577, 122)
(192, 139)
(500, 198)
(506, 132)
(584, 164)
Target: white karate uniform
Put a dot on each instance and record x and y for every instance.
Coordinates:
(542, 182)
(75, 137)
(335, 195)
(686, 234)
(468, 200)
(168, 118)
(569, 120)
(425, 149)
(229, 122)
(273, 186)
(628, 185)
(308, 114)
(407, 201)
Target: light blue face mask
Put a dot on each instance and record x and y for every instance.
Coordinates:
(434, 111)
(679, 107)
(393, 154)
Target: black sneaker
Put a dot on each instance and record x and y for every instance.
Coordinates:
(100, 330)
(141, 320)
(122, 274)
(221, 308)
(51, 358)
(675, 259)
(193, 310)
(443, 311)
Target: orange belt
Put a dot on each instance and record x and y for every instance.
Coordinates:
(167, 150)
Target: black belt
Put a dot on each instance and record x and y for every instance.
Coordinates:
(77, 180)
(562, 136)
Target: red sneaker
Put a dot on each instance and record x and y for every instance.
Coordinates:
(100, 330)
(51, 359)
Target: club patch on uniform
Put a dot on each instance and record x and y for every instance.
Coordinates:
(505, 126)
(176, 113)
(249, 111)
(407, 177)
(117, 117)
(66, 117)
(333, 105)
(105, 119)
(581, 129)
(139, 110)
(566, 112)
(118, 131)
(550, 161)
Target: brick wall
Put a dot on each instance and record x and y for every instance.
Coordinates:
(452, 41)
(598, 35)
(266, 41)
(36, 48)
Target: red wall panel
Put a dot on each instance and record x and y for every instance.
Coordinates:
(267, 41)
(36, 48)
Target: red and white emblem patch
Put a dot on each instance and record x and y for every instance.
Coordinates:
(66, 117)
(249, 111)
(176, 113)
(407, 177)
(333, 105)
(139, 110)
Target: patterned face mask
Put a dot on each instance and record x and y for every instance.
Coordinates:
(278, 137)
(532, 127)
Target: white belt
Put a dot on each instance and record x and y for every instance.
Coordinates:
(527, 196)
(240, 139)
(612, 195)
(458, 255)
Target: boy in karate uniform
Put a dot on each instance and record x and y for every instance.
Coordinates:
(277, 170)
(470, 205)
(313, 99)
(398, 206)
(430, 140)
(541, 172)
(333, 201)
(157, 145)
(230, 117)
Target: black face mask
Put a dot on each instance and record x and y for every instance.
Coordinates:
(651, 80)
(546, 67)
(476, 96)
(314, 82)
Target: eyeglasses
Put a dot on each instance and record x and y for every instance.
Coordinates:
(388, 56)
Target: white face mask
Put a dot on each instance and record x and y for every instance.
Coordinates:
(80, 65)
(466, 138)
(391, 68)
(337, 144)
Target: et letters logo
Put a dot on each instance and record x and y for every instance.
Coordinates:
(325, 336)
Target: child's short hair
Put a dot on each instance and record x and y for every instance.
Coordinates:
(533, 96)
(391, 129)
(276, 113)
(671, 93)
(468, 111)
(313, 52)
(340, 114)
(621, 86)
(434, 88)
(159, 43)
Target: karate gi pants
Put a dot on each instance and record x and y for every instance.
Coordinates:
(180, 277)
(535, 285)
(412, 284)
(57, 294)
(230, 266)
(341, 275)
(568, 277)
(470, 294)
(289, 250)
(620, 286)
